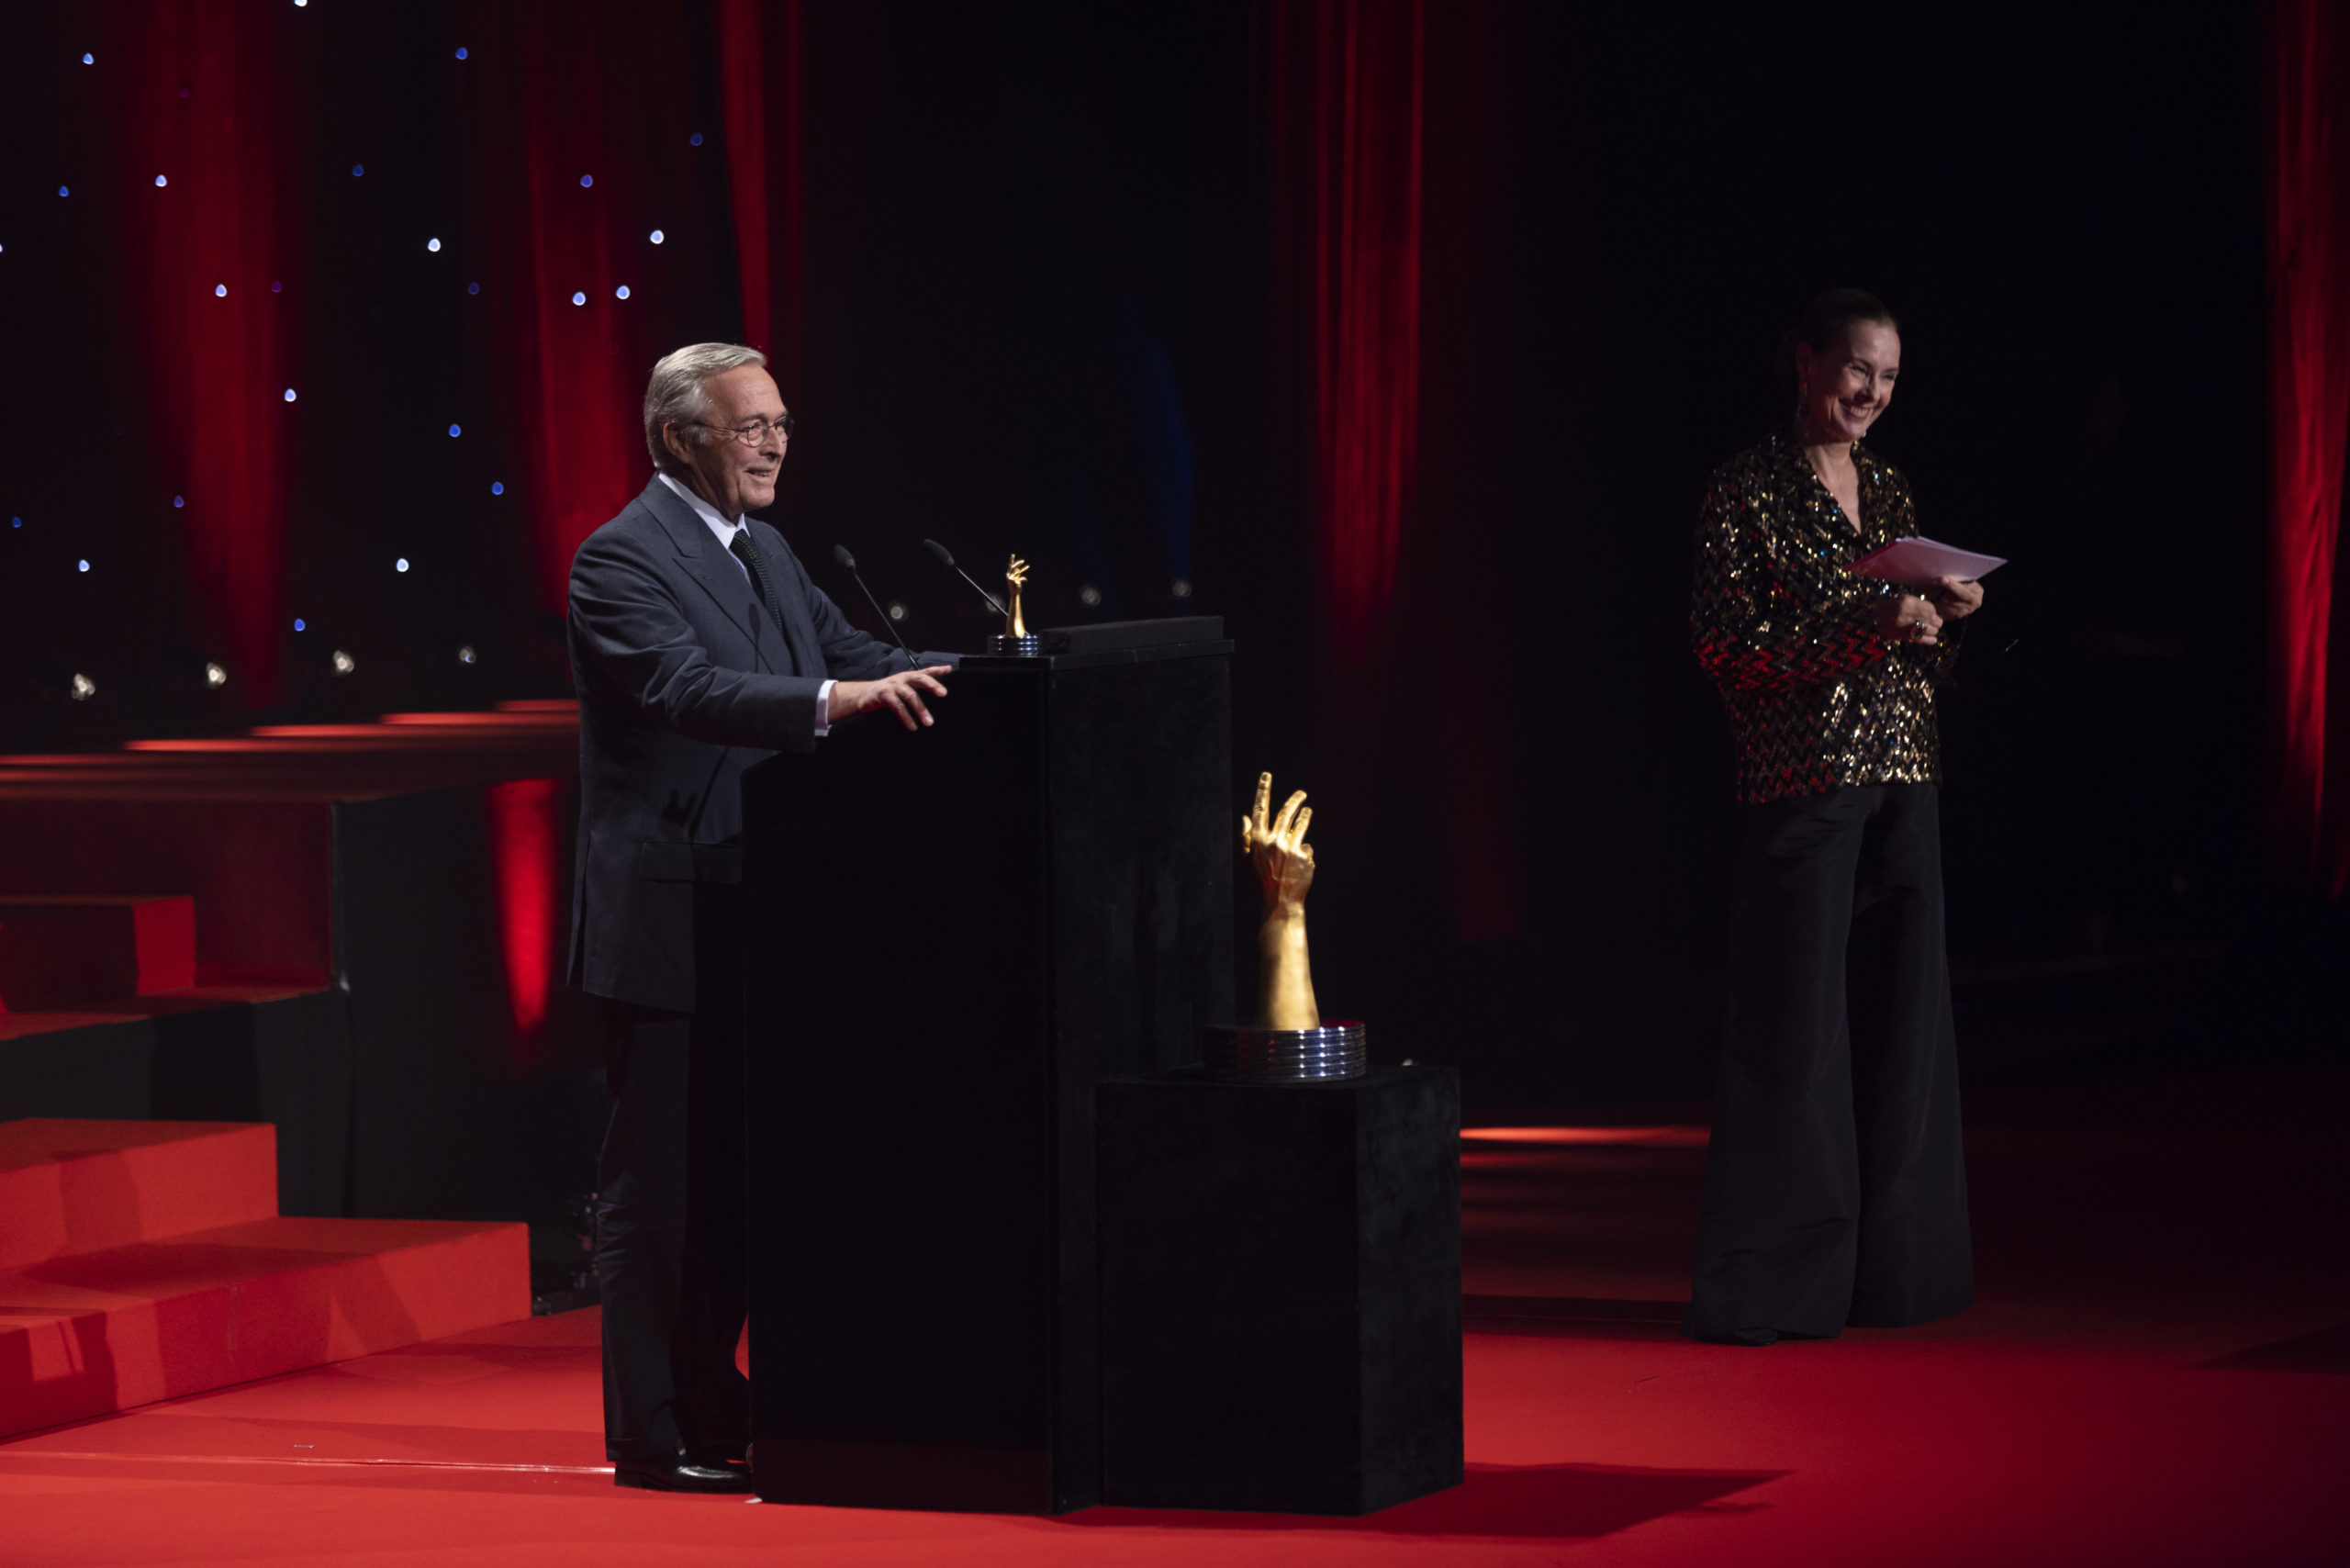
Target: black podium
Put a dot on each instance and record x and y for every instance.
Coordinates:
(1045, 879)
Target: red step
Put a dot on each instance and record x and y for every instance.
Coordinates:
(58, 953)
(81, 1337)
(70, 1186)
(104, 1306)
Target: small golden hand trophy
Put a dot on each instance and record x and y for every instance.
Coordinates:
(1288, 1041)
(1015, 639)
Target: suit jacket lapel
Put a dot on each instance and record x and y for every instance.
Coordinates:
(798, 628)
(708, 563)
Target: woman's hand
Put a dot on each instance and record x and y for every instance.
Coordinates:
(901, 693)
(1957, 598)
(1909, 619)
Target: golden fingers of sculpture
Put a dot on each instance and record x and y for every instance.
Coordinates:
(1016, 575)
(1284, 862)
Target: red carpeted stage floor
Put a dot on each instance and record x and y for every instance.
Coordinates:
(2158, 1373)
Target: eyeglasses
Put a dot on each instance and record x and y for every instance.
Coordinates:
(755, 435)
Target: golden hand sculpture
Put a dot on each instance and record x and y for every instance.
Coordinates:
(1284, 863)
(1013, 577)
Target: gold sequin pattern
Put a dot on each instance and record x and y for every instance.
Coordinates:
(1819, 699)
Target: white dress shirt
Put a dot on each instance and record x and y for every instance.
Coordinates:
(725, 532)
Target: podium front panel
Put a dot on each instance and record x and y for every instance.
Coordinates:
(952, 936)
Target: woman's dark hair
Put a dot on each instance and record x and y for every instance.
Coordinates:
(1822, 320)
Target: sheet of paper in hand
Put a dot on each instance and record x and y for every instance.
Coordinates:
(1922, 560)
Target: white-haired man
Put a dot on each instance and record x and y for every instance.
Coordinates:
(699, 646)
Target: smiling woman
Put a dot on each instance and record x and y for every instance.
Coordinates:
(1835, 1193)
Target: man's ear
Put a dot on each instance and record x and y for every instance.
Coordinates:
(676, 444)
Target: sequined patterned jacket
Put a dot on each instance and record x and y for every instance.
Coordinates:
(1819, 699)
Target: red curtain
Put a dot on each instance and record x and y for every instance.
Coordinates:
(758, 67)
(200, 136)
(1348, 95)
(2308, 305)
(1375, 123)
(592, 92)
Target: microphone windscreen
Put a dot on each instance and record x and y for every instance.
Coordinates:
(935, 548)
(840, 554)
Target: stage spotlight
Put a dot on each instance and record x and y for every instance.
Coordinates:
(84, 688)
(1181, 588)
(587, 180)
(453, 430)
(461, 54)
(62, 191)
(620, 292)
(658, 235)
(15, 523)
(289, 394)
(179, 501)
(276, 287)
(400, 565)
(897, 611)
(357, 170)
(465, 654)
(297, 624)
(343, 663)
(496, 488)
(433, 246)
(89, 60)
(161, 181)
(473, 288)
(695, 139)
(219, 291)
(83, 564)
(215, 677)
(1088, 596)
(577, 299)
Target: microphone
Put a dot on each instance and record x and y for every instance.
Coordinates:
(935, 548)
(840, 554)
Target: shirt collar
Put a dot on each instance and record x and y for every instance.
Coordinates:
(704, 511)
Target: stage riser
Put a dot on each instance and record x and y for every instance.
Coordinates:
(87, 1327)
(72, 1185)
(58, 953)
(286, 1062)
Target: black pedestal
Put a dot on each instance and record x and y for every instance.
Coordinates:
(1280, 1291)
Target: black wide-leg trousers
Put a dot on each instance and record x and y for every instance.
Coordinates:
(670, 1230)
(1835, 1186)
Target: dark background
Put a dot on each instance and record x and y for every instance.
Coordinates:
(1043, 315)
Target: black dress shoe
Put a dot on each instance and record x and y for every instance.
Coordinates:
(680, 1475)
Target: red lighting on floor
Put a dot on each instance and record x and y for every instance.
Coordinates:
(1651, 1138)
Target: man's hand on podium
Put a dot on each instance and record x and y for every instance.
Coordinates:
(901, 693)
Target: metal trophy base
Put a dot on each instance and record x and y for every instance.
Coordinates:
(1004, 645)
(1242, 1053)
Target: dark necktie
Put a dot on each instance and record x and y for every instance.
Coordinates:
(748, 553)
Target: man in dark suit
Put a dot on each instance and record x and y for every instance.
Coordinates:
(699, 646)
